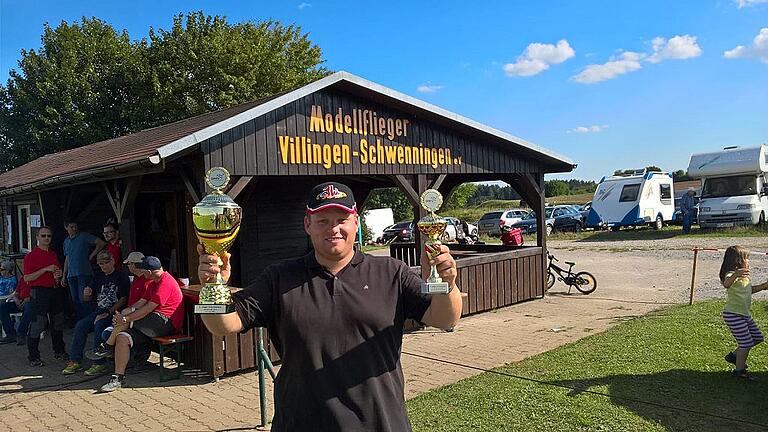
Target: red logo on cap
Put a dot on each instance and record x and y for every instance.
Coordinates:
(331, 192)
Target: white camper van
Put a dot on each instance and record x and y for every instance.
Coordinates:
(644, 198)
(733, 188)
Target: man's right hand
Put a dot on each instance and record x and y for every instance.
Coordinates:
(87, 292)
(209, 265)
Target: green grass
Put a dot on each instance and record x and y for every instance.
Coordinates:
(671, 358)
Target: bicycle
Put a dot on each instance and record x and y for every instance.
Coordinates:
(583, 281)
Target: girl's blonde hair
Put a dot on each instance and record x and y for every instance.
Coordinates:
(735, 258)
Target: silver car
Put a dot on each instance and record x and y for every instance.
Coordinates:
(491, 222)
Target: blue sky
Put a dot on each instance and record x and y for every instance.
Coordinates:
(612, 85)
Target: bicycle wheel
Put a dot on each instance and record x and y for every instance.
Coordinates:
(550, 280)
(584, 282)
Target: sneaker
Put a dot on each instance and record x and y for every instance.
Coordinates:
(21, 340)
(742, 373)
(102, 352)
(71, 368)
(731, 357)
(7, 340)
(36, 363)
(96, 369)
(114, 383)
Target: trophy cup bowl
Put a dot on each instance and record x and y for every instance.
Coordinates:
(433, 227)
(217, 222)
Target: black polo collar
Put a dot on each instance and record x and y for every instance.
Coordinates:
(310, 260)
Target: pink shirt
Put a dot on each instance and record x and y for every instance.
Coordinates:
(167, 295)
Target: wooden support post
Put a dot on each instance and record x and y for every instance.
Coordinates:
(693, 273)
(239, 186)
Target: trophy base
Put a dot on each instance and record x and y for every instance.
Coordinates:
(435, 288)
(214, 309)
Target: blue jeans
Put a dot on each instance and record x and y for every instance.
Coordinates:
(8, 308)
(687, 220)
(76, 285)
(82, 328)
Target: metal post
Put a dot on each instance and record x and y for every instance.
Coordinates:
(262, 381)
(693, 273)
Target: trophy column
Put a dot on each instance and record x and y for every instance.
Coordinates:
(433, 226)
(217, 221)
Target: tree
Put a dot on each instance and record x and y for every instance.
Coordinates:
(393, 198)
(460, 196)
(681, 176)
(89, 83)
(555, 188)
(204, 63)
(79, 88)
(629, 172)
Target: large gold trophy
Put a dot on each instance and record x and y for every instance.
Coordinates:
(217, 221)
(433, 226)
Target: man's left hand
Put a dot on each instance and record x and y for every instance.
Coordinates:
(446, 265)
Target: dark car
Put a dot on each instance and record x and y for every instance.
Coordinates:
(528, 224)
(584, 211)
(558, 218)
(567, 218)
(677, 217)
(399, 232)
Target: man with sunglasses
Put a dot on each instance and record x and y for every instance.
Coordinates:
(42, 271)
(111, 233)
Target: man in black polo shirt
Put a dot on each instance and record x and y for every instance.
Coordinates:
(336, 318)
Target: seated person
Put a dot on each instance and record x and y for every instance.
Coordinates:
(18, 302)
(106, 294)
(138, 288)
(7, 278)
(159, 313)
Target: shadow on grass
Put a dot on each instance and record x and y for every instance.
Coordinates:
(686, 400)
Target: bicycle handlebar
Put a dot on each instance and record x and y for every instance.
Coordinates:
(552, 257)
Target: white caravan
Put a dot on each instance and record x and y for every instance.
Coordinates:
(644, 198)
(733, 188)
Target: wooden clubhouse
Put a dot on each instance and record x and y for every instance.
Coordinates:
(341, 127)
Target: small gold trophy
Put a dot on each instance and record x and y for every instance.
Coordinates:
(217, 221)
(433, 227)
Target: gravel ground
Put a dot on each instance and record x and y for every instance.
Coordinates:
(658, 270)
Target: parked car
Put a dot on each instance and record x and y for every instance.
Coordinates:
(677, 217)
(567, 218)
(399, 232)
(584, 211)
(558, 218)
(528, 225)
(491, 222)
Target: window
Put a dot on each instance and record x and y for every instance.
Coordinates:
(717, 187)
(558, 212)
(666, 191)
(629, 193)
(25, 231)
(511, 214)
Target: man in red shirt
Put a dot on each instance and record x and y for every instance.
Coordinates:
(111, 234)
(160, 312)
(140, 282)
(42, 271)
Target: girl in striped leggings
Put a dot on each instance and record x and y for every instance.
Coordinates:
(734, 274)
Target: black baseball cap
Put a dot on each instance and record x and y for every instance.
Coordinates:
(331, 195)
(149, 263)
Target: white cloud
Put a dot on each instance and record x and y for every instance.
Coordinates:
(628, 62)
(304, 5)
(538, 57)
(758, 50)
(588, 129)
(428, 88)
(676, 48)
(746, 3)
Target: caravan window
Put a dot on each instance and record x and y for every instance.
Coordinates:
(629, 193)
(666, 191)
(729, 186)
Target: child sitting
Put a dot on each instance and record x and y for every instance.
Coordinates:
(734, 275)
